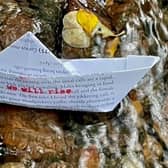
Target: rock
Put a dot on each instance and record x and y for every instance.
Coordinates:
(60, 165)
(48, 18)
(165, 17)
(152, 149)
(160, 123)
(92, 5)
(31, 133)
(120, 12)
(54, 164)
(41, 17)
(8, 8)
(13, 28)
(130, 162)
(90, 158)
(12, 165)
(134, 135)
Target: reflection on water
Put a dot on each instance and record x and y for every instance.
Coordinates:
(134, 135)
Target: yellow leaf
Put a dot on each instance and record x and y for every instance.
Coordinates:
(112, 47)
(72, 32)
(105, 31)
(87, 20)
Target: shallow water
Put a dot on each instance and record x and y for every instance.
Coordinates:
(135, 134)
(133, 137)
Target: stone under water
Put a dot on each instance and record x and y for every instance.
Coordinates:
(134, 135)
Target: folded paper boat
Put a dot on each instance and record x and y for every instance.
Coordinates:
(31, 76)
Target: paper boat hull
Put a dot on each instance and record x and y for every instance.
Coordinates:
(31, 76)
(94, 93)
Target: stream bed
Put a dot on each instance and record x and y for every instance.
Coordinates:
(134, 134)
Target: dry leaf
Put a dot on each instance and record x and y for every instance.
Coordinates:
(76, 37)
(69, 20)
(91, 24)
(72, 33)
(104, 31)
(80, 26)
(87, 20)
(112, 46)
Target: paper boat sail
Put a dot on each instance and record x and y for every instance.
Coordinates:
(32, 76)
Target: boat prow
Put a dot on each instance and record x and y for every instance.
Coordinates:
(32, 76)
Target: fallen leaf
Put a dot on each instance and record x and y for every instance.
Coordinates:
(69, 20)
(72, 33)
(87, 20)
(80, 26)
(105, 31)
(112, 46)
(76, 38)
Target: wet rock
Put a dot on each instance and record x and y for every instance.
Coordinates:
(8, 8)
(13, 28)
(165, 17)
(92, 5)
(131, 161)
(160, 123)
(60, 165)
(54, 164)
(30, 133)
(48, 18)
(12, 165)
(134, 135)
(90, 158)
(41, 17)
(120, 12)
(152, 149)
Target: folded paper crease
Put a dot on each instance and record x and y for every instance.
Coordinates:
(32, 76)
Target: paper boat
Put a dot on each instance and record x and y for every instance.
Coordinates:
(31, 76)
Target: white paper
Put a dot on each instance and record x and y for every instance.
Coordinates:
(28, 56)
(32, 76)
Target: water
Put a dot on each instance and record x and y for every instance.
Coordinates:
(131, 139)
(135, 134)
